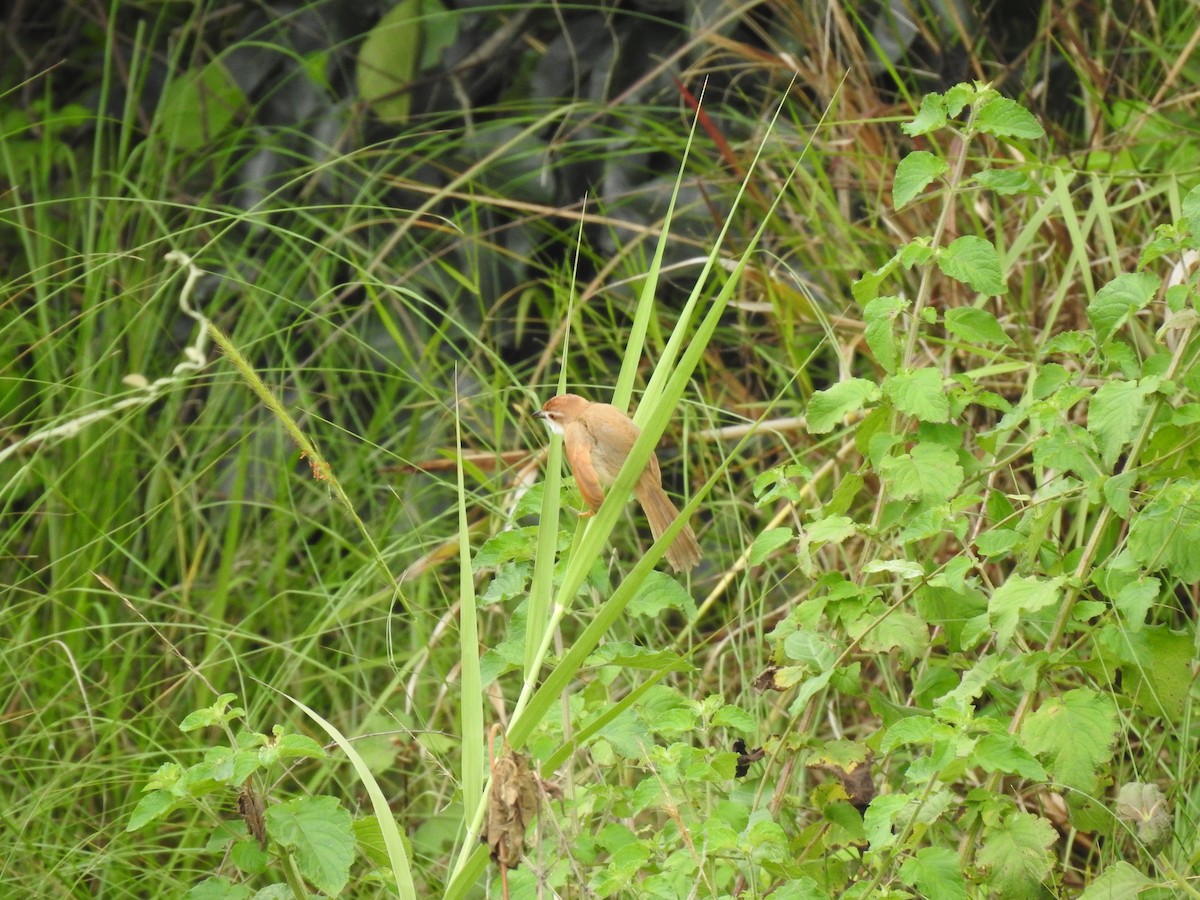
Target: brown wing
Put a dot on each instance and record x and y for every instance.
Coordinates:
(577, 445)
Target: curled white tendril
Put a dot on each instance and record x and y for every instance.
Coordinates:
(144, 392)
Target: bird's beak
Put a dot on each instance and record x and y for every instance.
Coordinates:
(540, 414)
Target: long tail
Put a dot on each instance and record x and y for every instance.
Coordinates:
(684, 552)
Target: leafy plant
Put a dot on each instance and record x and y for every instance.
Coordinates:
(311, 839)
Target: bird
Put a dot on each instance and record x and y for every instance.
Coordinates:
(597, 438)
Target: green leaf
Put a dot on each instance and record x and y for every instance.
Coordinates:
(929, 473)
(408, 38)
(1020, 594)
(809, 688)
(935, 872)
(219, 888)
(1166, 533)
(1116, 492)
(1116, 412)
(217, 714)
(198, 106)
(369, 837)
(320, 834)
(976, 325)
(779, 483)
(1191, 211)
(1016, 854)
(930, 117)
(975, 262)
(295, 746)
(151, 807)
(919, 394)
(883, 822)
(899, 631)
(1118, 880)
(511, 579)
(1118, 300)
(659, 591)
(1135, 599)
(880, 317)
(997, 542)
(831, 530)
(827, 408)
(768, 542)
(1074, 734)
(1002, 117)
(813, 649)
(512, 544)
(630, 656)
(915, 173)
(1002, 753)
(736, 718)
(1005, 182)
(1159, 679)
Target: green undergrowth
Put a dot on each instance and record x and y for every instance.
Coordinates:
(281, 546)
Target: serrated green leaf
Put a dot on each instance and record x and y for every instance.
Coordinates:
(1016, 853)
(929, 473)
(976, 325)
(1002, 753)
(882, 822)
(880, 317)
(1074, 734)
(1116, 412)
(511, 579)
(831, 530)
(216, 714)
(915, 173)
(513, 544)
(1135, 600)
(659, 591)
(1117, 490)
(768, 542)
(975, 262)
(1166, 532)
(903, 568)
(900, 631)
(1018, 595)
(779, 483)
(963, 93)
(996, 543)
(1116, 301)
(1002, 117)
(809, 689)
(319, 832)
(1118, 880)
(736, 718)
(150, 808)
(935, 872)
(919, 394)
(827, 408)
(812, 649)
(295, 746)
(930, 117)
(1075, 343)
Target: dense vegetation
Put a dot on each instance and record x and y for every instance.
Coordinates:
(292, 578)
